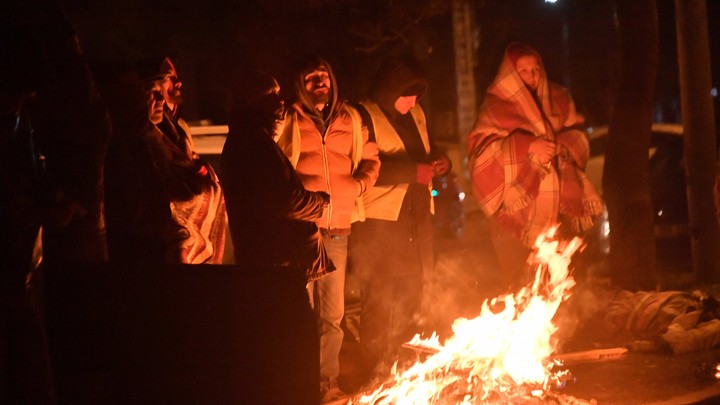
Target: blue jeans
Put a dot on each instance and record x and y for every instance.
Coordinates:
(327, 297)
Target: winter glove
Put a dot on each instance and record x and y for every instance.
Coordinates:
(424, 173)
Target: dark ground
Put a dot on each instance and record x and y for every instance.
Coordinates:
(464, 279)
(645, 378)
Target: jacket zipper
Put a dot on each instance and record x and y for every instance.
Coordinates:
(326, 167)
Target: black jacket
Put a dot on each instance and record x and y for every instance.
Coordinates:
(272, 217)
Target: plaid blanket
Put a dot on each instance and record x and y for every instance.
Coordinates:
(647, 314)
(202, 219)
(510, 185)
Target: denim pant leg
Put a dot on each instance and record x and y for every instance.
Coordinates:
(329, 305)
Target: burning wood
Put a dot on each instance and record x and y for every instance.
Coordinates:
(501, 356)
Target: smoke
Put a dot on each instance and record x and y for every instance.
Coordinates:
(464, 276)
(576, 318)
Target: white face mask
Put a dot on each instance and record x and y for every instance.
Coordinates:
(404, 104)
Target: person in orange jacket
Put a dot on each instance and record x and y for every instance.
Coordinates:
(327, 143)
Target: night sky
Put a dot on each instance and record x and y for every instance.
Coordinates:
(208, 39)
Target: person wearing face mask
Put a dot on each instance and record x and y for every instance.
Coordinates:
(527, 153)
(392, 251)
(327, 143)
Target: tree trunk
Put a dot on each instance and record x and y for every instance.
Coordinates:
(626, 177)
(463, 24)
(699, 133)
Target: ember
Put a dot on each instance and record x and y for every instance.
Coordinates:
(501, 356)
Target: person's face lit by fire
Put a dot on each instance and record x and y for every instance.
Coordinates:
(529, 69)
(272, 104)
(317, 84)
(404, 104)
(171, 90)
(155, 102)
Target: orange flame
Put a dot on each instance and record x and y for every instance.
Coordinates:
(498, 354)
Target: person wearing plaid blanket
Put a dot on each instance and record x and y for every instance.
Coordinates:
(527, 154)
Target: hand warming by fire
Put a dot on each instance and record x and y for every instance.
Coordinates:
(501, 356)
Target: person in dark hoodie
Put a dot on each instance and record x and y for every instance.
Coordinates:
(272, 223)
(272, 216)
(328, 145)
(393, 249)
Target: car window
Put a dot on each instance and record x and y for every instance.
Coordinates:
(598, 142)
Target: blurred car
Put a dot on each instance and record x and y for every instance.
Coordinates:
(668, 194)
(209, 141)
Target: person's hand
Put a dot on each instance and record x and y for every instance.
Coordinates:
(543, 150)
(424, 173)
(441, 165)
(202, 170)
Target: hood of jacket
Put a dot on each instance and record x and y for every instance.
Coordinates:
(304, 98)
(395, 78)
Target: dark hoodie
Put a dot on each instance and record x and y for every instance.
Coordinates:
(399, 77)
(272, 217)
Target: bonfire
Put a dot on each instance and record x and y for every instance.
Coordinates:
(501, 356)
